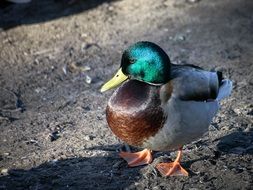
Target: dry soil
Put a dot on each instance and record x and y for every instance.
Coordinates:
(54, 57)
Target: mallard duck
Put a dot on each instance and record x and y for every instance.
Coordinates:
(161, 106)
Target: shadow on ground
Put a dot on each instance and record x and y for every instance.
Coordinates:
(12, 15)
(236, 143)
(74, 173)
(109, 172)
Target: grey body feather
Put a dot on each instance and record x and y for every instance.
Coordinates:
(193, 103)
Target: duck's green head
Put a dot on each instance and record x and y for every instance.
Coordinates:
(143, 61)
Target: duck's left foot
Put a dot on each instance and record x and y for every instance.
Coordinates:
(172, 168)
(138, 158)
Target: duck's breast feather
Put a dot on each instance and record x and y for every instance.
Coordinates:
(134, 113)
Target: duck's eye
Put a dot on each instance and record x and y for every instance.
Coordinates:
(131, 61)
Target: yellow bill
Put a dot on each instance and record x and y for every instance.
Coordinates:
(118, 78)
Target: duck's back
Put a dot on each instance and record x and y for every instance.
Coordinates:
(193, 83)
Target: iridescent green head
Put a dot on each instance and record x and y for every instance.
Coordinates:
(147, 62)
(144, 61)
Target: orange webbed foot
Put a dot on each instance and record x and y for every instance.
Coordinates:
(173, 168)
(138, 158)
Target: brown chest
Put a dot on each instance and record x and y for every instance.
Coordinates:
(134, 113)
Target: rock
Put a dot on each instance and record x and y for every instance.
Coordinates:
(88, 79)
(54, 162)
(64, 69)
(54, 136)
(88, 138)
(84, 35)
(179, 37)
(4, 171)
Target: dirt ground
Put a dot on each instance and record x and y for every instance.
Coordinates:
(54, 57)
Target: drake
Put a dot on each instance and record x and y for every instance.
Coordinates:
(161, 106)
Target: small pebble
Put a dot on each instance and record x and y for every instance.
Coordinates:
(64, 69)
(54, 136)
(54, 161)
(32, 141)
(117, 164)
(192, 1)
(86, 108)
(110, 8)
(156, 188)
(248, 129)
(85, 68)
(83, 47)
(4, 171)
(180, 38)
(37, 90)
(188, 31)
(88, 79)
(6, 154)
(84, 35)
(88, 138)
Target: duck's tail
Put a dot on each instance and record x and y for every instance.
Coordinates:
(225, 89)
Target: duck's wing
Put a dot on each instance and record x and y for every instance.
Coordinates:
(192, 83)
(190, 101)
